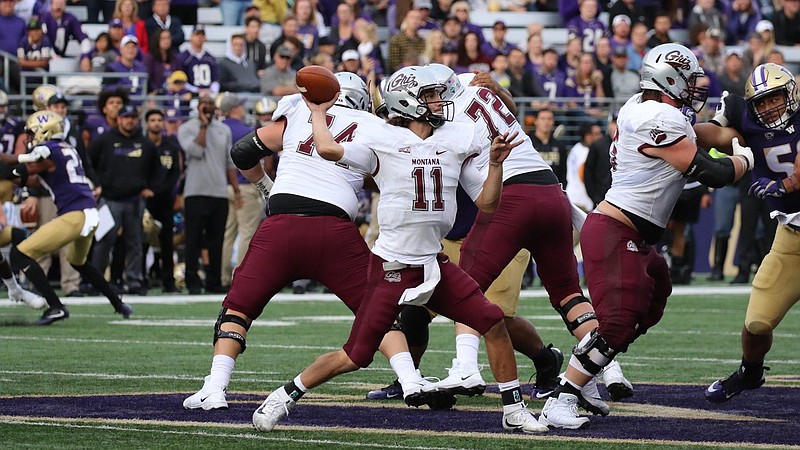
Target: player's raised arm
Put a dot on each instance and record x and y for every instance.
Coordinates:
(324, 143)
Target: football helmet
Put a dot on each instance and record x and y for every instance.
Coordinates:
(43, 126)
(446, 76)
(42, 94)
(768, 79)
(3, 105)
(353, 92)
(265, 105)
(403, 96)
(673, 70)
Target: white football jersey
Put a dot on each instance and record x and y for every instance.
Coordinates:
(485, 110)
(646, 186)
(576, 188)
(302, 171)
(418, 180)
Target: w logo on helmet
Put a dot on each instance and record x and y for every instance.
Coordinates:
(42, 119)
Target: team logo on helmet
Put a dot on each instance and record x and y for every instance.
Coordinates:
(403, 81)
(678, 60)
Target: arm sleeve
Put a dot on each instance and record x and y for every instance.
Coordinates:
(471, 179)
(360, 157)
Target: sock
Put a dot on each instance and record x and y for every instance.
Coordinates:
(511, 394)
(221, 370)
(294, 391)
(752, 369)
(567, 386)
(34, 272)
(467, 349)
(92, 275)
(403, 366)
(544, 359)
(7, 276)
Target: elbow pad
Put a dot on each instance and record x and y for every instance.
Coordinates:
(247, 151)
(712, 172)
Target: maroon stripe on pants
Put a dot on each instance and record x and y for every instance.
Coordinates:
(287, 247)
(628, 281)
(534, 217)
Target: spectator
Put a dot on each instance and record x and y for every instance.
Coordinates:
(93, 8)
(449, 56)
(327, 46)
(263, 110)
(128, 12)
(127, 63)
(236, 74)
(61, 27)
(115, 32)
(755, 53)
(711, 51)
(638, 47)
(452, 31)
(549, 79)
(161, 60)
(233, 11)
(323, 59)
(289, 30)
(733, 77)
(358, 11)
(307, 29)
(343, 30)
(172, 122)
(12, 28)
(787, 23)
(186, 11)
(629, 8)
(621, 32)
(622, 82)
(660, 34)
(35, 50)
(586, 26)
(602, 56)
(366, 36)
(568, 62)
(434, 42)
(705, 15)
(522, 82)
(278, 79)
(470, 56)
(26, 9)
(245, 207)
(588, 84)
(256, 50)
(543, 5)
(209, 169)
(126, 165)
(534, 52)
(161, 204)
(408, 43)
(351, 62)
(576, 189)
(296, 47)
(440, 10)
(499, 71)
(199, 65)
(741, 17)
(553, 151)
(461, 9)
(424, 7)
(162, 19)
(179, 97)
(109, 103)
(498, 45)
(776, 57)
(597, 169)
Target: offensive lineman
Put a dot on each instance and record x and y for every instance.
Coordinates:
(652, 155)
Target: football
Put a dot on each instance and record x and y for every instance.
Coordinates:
(317, 84)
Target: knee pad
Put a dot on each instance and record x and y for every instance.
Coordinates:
(758, 327)
(580, 320)
(414, 322)
(222, 334)
(593, 353)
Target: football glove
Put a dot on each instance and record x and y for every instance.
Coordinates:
(38, 153)
(690, 115)
(719, 114)
(766, 187)
(743, 151)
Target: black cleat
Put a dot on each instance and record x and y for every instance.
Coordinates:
(723, 390)
(124, 309)
(392, 391)
(53, 315)
(547, 377)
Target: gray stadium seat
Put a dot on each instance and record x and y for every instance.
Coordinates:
(79, 11)
(209, 16)
(60, 65)
(515, 19)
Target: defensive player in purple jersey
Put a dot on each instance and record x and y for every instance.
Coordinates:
(60, 170)
(767, 119)
(586, 26)
(199, 65)
(61, 26)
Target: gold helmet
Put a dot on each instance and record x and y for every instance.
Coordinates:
(218, 99)
(43, 126)
(3, 105)
(42, 94)
(768, 79)
(265, 105)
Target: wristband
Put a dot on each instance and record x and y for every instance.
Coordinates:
(264, 185)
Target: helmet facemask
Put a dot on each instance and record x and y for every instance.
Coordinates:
(775, 117)
(435, 112)
(766, 81)
(695, 96)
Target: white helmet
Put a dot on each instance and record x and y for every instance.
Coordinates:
(673, 70)
(353, 92)
(403, 96)
(768, 79)
(451, 81)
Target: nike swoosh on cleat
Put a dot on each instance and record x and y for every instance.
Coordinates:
(388, 395)
(505, 422)
(204, 398)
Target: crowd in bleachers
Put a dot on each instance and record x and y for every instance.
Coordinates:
(576, 57)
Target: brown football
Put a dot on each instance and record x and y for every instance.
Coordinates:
(317, 84)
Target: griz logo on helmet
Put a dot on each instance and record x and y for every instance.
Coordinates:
(677, 60)
(403, 82)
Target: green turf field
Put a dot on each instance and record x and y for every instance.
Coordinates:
(165, 347)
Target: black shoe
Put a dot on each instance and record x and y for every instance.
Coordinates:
(297, 290)
(124, 309)
(716, 276)
(76, 293)
(741, 278)
(392, 391)
(547, 377)
(170, 289)
(217, 290)
(739, 381)
(52, 315)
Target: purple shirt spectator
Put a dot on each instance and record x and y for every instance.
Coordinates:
(40, 50)
(309, 36)
(96, 125)
(588, 31)
(493, 51)
(12, 29)
(158, 71)
(238, 130)
(741, 23)
(135, 85)
(553, 84)
(200, 68)
(60, 31)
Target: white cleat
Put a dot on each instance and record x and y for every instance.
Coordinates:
(562, 412)
(618, 386)
(207, 398)
(592, 401)
(273, 410)
(462, 379)
(524, 421)
(30, 299)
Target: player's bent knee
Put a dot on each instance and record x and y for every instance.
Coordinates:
(758, 327)
(574, 324)
(414, 321)
(593, 353)
(219, 333)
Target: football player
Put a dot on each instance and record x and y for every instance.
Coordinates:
(263, 110)
(12, 141)
(309, 233)
(60, 170)
(766, 118)
(417, 159)
(652, 155)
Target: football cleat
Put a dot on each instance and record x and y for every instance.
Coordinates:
(273, 410)
(124, 309)
(591, 401)
(28, 297)
(562, 412)
(547, 377)
(52, 315)
(421, 391)
(392, 391)
(462, 379)
(618, 386)
(738, 382)
(207, 398)
(523, 420)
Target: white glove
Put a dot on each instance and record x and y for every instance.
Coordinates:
(39, 152)
(719, 114)
(743, 151)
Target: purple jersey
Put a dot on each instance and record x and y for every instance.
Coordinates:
(12, 29)
(67, 183)
(201, 71)
(135, 84)
(308, 35)
(774, 150)
(588, 31)
(176, 102)
(238, 130)
(553, 84)
(574, 90)
(35, 51)
(96, 125)
(10, 129)
(60, 31)
(493, 51)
